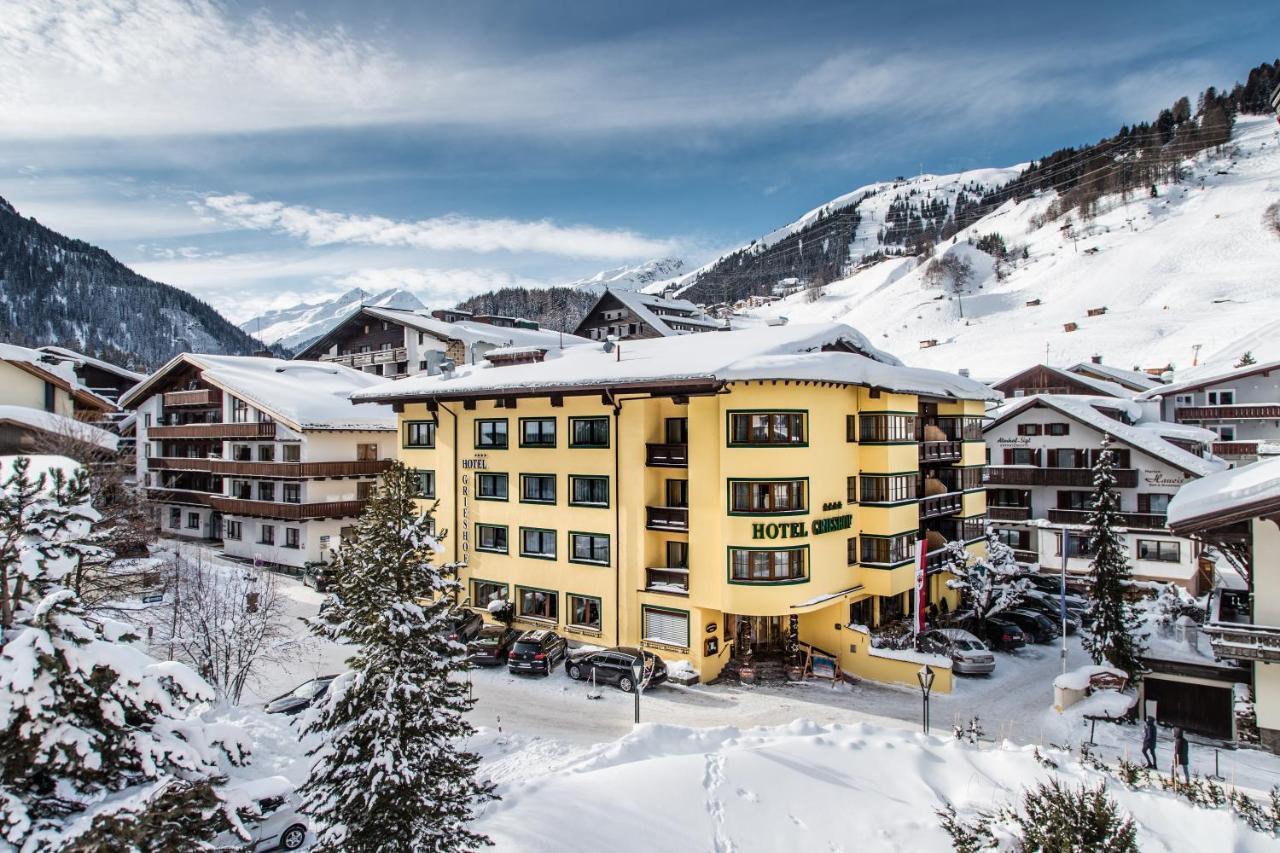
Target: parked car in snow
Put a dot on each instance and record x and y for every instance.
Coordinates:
(1037, 627)
(615, 666)
(301, 697)
(1003, 635)
(491, 645)
(464, 625)
(280, 825)
(1051, 610)
(969, 655)
(318, 577)
(537, 651)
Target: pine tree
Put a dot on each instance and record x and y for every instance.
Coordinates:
(391, 774)
(988, 584)
(83, 713)
(1110, 634)
(1246, 359)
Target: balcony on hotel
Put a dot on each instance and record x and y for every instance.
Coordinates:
(1138, 520)
(1232, 633)
(666, 455)
(940, 494)
(674, 518)
(669, 579)
(939, 440)
(1030, 475)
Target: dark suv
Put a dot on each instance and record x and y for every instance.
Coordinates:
(537, 651)
(614, 666)
(491, 646)
(464, 625)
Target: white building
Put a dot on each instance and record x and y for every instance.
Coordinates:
(268, 456)
(1241, 406)
(1040, 486)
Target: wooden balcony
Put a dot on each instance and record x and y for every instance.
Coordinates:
(1243, 412)
(667, 518)
(667, 579)
(666, 455)
(1009, 513)
(940, 505)
(1027, 475)
(287, 511)
(1139, 520)
(939, 451)
(178, 496)
(202, 397)
(364, 359)
(214, 431)
(1235, 449)
(1244, 642)
(1025, 556)
(277, 470)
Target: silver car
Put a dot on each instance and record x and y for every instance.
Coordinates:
(281, 826)
(969, 655)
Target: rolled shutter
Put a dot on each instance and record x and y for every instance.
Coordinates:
(663, 626)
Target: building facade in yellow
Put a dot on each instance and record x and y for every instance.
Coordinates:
(712, 518)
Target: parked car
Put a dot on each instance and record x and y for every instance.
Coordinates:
(969, 655)
(1037, 627)
(491, 646)
(615, 666)
(1052, 584)
(301, 697)
(537, 651)
(1074, 602)
(464, 625)
(281, 826)
(1051, 609)
(318, 577)
(1002, 634)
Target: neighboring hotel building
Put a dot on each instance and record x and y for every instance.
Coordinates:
(1040, 486)
(266, 455)
(1241, 406)
(698, 498)
(626, 314)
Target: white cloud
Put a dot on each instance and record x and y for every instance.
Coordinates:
(435, 284)
(441, 233)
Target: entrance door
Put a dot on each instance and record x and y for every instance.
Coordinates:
(765, 635)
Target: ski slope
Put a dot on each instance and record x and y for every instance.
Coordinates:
(1196, 265)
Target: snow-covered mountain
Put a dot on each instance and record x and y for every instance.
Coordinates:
(298, 325)
(636, 277)
(1192, 272)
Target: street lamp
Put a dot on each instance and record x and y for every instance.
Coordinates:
(925, 677)
(637, 671)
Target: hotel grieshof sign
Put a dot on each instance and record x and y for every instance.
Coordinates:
(800, 530)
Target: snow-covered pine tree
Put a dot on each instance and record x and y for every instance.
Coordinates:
(84, 715)
(391, 773)
(987, 584)
(1110, 633)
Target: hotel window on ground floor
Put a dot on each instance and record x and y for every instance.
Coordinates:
(193, 521)
(175, 517)
(767, 497)
(885, 488)
(1164, 552)
(886, 429)
(537, 603)
(767, 428)
(668, 627)
(231, 529)
(771, 566)
(292, 538)
(266, 534)
(485, 592)
(863, 612)
(584, 612)
(887, 550)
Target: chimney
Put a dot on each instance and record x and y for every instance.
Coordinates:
(1096, 359)
(964, 371)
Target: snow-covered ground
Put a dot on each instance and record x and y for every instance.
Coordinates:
(1196, 265)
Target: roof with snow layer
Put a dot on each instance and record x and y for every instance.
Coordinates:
(58, 373)
(1133, 379)
(1227, 497)
(1146, 436)
(124, 373)
(768, 352)
(1203, 379)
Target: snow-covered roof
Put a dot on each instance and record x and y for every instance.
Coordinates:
(766, 352)
(1135, 379)
(1143, 435)
(1228, 495)
(107, 366)
(500, 351)
(643, 305)
(57, 425)
(1102, 386)
(60, 373)
(301, 394)
(1201, 379)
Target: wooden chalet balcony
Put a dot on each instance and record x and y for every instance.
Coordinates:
(667, 579)
(939, 451)
(1244, 642)
(287, 511)
(206, 397)
(940, 505)
(215, 431)
(1027, 475)
(281, 470)
(364, 359)
(1242, 412)
(666, 455)
(1235, 448)
(178, 496)
(667, 518)
(1140, 520)
(1009, 513)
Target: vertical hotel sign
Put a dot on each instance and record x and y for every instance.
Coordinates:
(464, 538)
(922, 559)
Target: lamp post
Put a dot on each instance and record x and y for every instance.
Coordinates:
(925, 677)
(637, 671)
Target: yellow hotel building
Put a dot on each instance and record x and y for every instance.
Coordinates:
(704, 494)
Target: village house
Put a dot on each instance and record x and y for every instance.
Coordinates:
(42, 401)
(627, 314)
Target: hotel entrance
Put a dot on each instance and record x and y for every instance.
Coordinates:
(762, 636)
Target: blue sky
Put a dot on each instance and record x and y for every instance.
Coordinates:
(260, 154)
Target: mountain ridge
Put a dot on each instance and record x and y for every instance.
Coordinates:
(298, 325)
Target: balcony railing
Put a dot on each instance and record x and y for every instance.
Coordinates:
(1009, 513)
(666, 455)
(178, 496)
(364, 359)
(667, 579)
(940, 505)
(667, 518)
(1027, 475)
(1244, 642)
(200, 397)
(1243, 412)
(1023, 556)
(287, 511)
(1141, 520)
(940, 451)
(218, 430)
(281, 470)
(1235, 448)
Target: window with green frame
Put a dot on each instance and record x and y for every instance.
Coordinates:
(491, 538)
(887, 550)
(491, 487)
(491, 434)
(892, 428)
(485, 592)
(420, 434)
(752, 565)
(589, 432)
(538, 488)
(768, 497)
(537, 603)
(424, 483)
(589, 548)
(537, 432)
(887, 488)
(538, 543)
(588, 491)
(584, 612)
(767, 428)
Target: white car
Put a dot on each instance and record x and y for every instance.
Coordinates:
(281, 827)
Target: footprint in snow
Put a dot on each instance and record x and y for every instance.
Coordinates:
(749, 796)
(797, 821)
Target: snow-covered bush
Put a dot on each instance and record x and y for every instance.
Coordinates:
(1053, 818)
